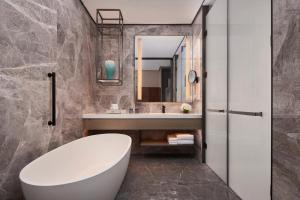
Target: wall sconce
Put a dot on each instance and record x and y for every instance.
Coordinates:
(139, 68)
(187, 68)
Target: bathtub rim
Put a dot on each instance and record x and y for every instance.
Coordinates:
(103, 170)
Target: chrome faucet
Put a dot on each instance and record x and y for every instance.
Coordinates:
(163, 108)
(133, 110)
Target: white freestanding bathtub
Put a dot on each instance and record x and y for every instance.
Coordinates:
(90, 168)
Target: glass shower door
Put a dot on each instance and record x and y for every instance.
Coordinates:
(249, 84)
(216, 89)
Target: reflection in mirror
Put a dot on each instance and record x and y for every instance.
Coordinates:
(162, 65)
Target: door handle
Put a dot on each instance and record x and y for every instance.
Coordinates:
(53, 121)
(257, 114)
(216, 110)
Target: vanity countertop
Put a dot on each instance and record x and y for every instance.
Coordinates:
(146, 121)
(143, 116)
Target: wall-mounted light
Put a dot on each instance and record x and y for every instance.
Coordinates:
(187, 68)
(139, 68)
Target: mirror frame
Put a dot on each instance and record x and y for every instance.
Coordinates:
(135, 74)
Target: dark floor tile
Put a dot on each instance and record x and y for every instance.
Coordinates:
(172, 178)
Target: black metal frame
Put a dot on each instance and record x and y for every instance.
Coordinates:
(53, 92)
(101, 21)
(113, 28)
(204, 76)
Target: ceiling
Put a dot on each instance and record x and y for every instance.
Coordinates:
(159, 46)
(209, 2)
(155, 64)
(149, 11)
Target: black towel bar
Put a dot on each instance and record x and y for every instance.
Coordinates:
(53, 122)
(215, 110)
(259, 114)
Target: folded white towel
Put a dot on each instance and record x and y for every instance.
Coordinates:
(184, 136)
(185, 141)
(172, 142)
(172, 137)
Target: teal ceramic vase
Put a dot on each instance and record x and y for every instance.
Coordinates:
(110, 68)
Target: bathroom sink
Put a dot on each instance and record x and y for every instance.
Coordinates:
(143, 116)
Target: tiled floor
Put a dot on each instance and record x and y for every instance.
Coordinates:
(166, 178)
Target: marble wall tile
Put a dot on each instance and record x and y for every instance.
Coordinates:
(37, 37)
(28, 52)
(286, 99)
(105, 95)
(24, 22)
(124, 95)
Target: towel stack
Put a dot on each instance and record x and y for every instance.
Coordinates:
(172, 139)
(181, 138)
(185, 138)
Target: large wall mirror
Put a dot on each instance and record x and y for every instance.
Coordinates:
(162, 66)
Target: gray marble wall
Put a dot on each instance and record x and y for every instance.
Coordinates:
(124, 95)
(40, 36)
(286, 100)
(37, 37)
